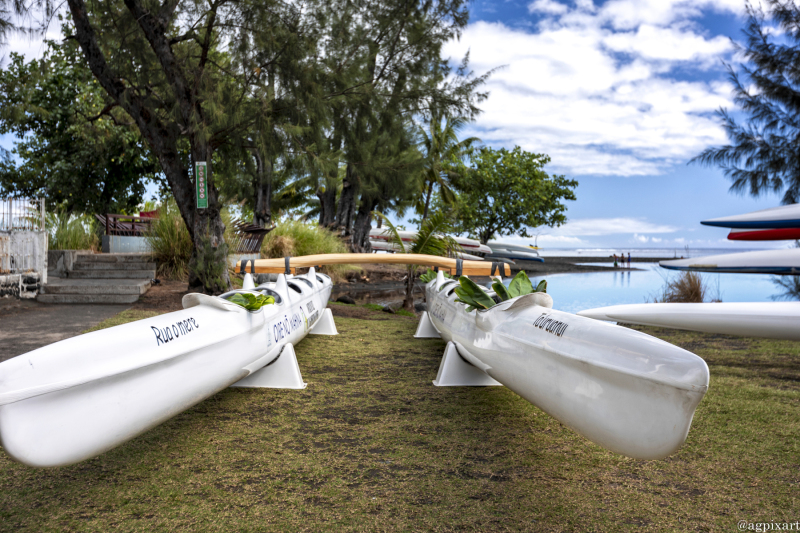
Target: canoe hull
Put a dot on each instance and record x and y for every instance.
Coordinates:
(782, 262)
(784, 216)
(772, 320)
(629, 392)
(77, 398)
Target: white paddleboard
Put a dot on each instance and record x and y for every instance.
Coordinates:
(773, 320)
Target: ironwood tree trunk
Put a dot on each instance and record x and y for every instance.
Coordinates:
(327, 204)
(262, 214)
(346, 209)
(359, 240)
(208, 264)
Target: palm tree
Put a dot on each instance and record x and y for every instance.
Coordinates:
(431, 239)
(443, 152)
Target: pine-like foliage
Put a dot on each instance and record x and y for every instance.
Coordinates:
(764, 154)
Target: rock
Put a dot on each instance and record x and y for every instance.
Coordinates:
(264, 278)
(387, 309)
(419, 307)
(345, 299)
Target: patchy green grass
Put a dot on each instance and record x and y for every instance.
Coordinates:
(371, 445)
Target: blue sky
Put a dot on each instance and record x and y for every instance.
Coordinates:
(621, 95)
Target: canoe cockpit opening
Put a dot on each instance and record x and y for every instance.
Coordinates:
(304, 280)
(322, 277)
(274, 294)
(295, 287)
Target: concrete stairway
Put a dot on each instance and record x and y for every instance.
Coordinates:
(102, 279)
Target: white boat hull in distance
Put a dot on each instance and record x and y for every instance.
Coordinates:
(772, 320)
(785, 216)
(782, 262)
(468, 245)
(77, 398)
(497, 245)
(499, 255)
(626, 391)
(385, 246)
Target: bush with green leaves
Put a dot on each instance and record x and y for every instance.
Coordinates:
(470, 293)
(250, 301)
(430, 275)
(170, 243)
(295, 238)
(70, 231)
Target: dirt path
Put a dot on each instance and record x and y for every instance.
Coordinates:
(26, 325)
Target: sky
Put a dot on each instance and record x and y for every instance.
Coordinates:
(620, 94)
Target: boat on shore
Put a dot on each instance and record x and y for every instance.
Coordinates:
(470, 246)
(391, 247)
(77, 398)
(501, 250)
(626, 391)
(783, 262)
(772, 320)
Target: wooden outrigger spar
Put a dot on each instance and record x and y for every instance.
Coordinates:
(458, 267)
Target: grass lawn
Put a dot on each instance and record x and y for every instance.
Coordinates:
(372, 445)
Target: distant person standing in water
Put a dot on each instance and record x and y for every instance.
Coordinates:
(629, 259)
(615, 260)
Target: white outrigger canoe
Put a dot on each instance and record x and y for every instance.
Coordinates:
(772, 320)
(784, 216)
(626, 391)
(783, 262)
(75, 399)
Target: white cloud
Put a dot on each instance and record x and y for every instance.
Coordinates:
(551, 7)
(608, 226)
(621, 89)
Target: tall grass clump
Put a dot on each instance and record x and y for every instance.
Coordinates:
(686, 288)
(295, 238)
(72, 231)
(170, 242)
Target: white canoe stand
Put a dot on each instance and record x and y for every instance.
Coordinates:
(425, 329)
(454, 371)
(325, 325)
(282, 373)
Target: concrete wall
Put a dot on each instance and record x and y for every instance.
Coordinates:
(59, 262)
(23, 262)
(118, 244)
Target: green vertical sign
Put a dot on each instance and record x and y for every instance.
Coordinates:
(201, 182)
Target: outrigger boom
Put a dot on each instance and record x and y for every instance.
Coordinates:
(457, 267)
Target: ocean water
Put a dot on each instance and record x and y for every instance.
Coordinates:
(652, 252)
(579, 291)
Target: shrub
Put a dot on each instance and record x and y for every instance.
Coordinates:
(72, 232)
(170, 242)
(295, 238)
(686, 288)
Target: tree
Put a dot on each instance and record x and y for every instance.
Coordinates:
(505, 192)
(391, 61)
(764, 154)
(431, 239)
(162, 64)
(69, 150)
(443, 153)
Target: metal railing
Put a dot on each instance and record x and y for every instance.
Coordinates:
(23, 238)
(22, 214)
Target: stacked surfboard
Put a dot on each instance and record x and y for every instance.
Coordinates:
(775, 224)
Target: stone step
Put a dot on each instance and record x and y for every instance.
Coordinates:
(80, 265)
(96, 286)
(112, 274)
(88, 298)
(113, 258)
